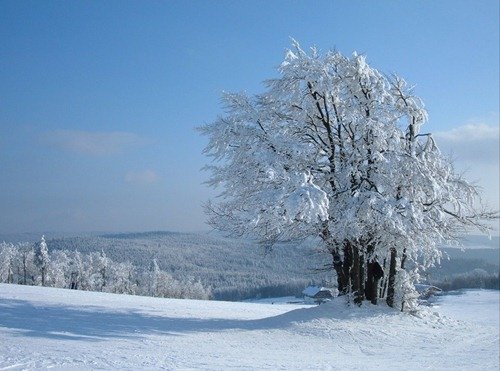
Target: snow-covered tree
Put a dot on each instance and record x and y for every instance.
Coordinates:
(25, 262)
(122, 278)
(80, 271)
(7, 262)
(42, 260)
(193, 289)
(59, 269)
(74, 272)
(85, 264)
(333, 149)
(100, 277)
(152, 278)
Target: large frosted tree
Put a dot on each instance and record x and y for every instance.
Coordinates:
(333, 149)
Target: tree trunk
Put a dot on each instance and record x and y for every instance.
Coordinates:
(25, 271)
(369, 294)
(10, 276)
(374, 273)
(403, 260)
(342, 280)
(362, 278)
(392, 278)
(356, 276)
(346, 267)
(383, 284)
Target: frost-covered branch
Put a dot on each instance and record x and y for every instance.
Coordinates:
(333, 149)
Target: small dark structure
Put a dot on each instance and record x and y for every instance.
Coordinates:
(318, 294)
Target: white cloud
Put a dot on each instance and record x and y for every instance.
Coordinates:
(144, 177)
(475, 149)
(94, 143)
(472, 143)
(470, 132)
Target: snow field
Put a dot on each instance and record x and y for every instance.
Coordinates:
(55, 328)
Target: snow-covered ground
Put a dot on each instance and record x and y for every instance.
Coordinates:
(64, 329)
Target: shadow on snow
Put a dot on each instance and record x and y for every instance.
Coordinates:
(93, 323)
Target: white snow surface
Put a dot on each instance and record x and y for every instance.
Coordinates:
(64, 329)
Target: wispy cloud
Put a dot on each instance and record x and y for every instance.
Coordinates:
(477, 143)
(144, 177)
(475, 149)
(93, 143)
(470, 132)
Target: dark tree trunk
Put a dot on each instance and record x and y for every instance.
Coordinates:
(370, 287)
(374, 273)
(403, 260)
(341, 266)
(342, 281)
(392, 278)
(10, 276)
(371, 284)
(362, 278)
(356, 276)
(346, 267)
(25, 271)
(74, 284)
(383, 286)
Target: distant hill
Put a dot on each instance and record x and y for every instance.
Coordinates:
(479, 242)
(478, 252)
(35, 236)
(456, 261)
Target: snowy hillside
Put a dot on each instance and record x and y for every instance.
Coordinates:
(43, 327)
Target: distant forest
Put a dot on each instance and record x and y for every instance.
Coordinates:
(231, 269)
(227, 269)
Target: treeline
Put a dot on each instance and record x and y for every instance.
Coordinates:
(33, 264)
(271, 290)
(233, 269)
(475, 279)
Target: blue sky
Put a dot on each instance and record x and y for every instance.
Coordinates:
(99, 100)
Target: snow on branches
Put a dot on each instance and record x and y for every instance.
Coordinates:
(333, 148)
(26, 264)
